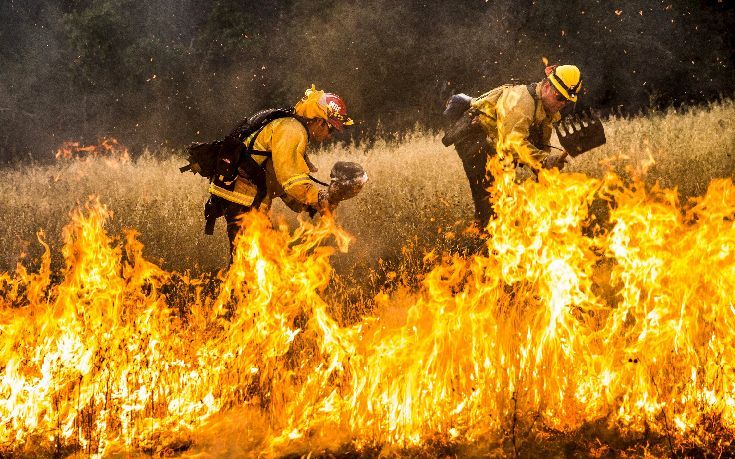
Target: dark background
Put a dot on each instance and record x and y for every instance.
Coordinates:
(169, 72)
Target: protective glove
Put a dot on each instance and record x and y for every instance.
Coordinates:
(326, 203)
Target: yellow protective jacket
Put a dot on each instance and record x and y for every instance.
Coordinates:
(515, 122)
(286, 170)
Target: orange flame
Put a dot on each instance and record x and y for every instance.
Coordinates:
(109, 149)
(558, 324)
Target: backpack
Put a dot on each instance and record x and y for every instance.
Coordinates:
(222, 158)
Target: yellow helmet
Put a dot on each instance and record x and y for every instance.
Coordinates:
(567, 79)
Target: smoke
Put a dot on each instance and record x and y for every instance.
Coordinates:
(169, 72)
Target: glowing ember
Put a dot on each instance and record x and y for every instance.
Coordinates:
(631, 323)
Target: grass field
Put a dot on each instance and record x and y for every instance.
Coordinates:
(417, 190)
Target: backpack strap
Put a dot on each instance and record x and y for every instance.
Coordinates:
(532, 90)
(535, 132)
(280, 113)
(255, 171)
(248, 131)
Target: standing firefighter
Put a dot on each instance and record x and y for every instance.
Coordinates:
(265, 158)
(512, 121)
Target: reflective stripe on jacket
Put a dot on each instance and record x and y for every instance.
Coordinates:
(509, 114)
(286, 170)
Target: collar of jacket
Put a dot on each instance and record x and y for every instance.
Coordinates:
(304, 122)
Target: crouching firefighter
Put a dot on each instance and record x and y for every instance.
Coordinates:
(264, 158)
(512, 121)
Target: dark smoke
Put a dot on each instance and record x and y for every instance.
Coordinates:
(168, 72)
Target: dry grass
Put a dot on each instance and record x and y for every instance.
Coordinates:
(417, 191)
(148, 195)
(689, 148)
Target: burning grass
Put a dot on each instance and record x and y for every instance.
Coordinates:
(560, 339)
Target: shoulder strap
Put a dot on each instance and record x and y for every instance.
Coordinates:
(498, 90)
(532, 91)
(258, 119)
(535, 131)
(258, 122)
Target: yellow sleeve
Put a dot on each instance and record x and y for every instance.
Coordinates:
(288, 146)
(293, 204)
(515, 116)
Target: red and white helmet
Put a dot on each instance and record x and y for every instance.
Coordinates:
(325, 105)
(336, 111)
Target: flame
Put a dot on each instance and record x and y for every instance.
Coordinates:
(108, 149)
(563, 320)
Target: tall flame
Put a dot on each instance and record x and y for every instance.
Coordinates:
(562, 321)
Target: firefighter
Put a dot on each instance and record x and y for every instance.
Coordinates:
(283, 170)
(514, 122)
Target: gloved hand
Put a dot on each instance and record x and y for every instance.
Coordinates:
(326, 203)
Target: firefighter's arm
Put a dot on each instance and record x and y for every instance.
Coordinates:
(515, 115)
(293, 204)
(287, 147)
(482, 108)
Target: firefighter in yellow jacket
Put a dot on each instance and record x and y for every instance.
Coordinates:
(516, 123)
(283, 169)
